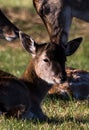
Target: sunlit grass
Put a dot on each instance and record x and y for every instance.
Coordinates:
(80, 59)
(14, 61)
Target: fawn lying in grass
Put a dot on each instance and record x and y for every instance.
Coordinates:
(22, 97)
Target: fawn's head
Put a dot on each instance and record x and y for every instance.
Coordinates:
(49, 59)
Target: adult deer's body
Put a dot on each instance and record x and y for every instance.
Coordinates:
(77, 86)
(57, 16)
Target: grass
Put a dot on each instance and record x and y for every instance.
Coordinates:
(81, 58)
(64, 114)
(11, 59)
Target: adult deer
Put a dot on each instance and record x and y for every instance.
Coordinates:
(22, 97)
(77, 85)
(10, 32)
(57, 16)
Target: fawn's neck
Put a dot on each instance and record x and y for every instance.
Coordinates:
(38, 87)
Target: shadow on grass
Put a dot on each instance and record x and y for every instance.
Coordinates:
(65, 97)
(68, 118)
(61, 120)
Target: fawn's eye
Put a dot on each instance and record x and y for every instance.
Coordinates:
(46, 60)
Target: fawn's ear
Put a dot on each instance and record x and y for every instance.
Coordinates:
(72, 46)
(28, 43)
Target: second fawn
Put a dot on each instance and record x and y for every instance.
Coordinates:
(77, 85)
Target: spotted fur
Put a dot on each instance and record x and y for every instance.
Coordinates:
(77, 85)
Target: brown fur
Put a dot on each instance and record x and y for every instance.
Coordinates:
(57, 16)
(22, 97)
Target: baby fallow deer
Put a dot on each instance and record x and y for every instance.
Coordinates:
(22, 97)
(77, 85)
